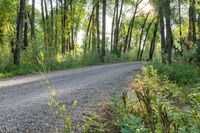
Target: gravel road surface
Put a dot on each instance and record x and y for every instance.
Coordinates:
(24, 99)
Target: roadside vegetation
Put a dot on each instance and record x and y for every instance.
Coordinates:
(164, 97)
(156, 102)
(66, 62)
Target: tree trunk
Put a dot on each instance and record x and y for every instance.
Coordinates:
(162, 33)
(153, 42)
(52, 24)
(180, 25)
(44, 23)
(26, 31)
(144, 43)
(56, 29)
(141, 35)
(112, 29)
(116, 26)
(88, 30)
(98, 29)
(169, 38)
(72, 26)
(192, 21)
(103, 30)
(33, 20)
(129, 33)
(64, 16)
(20, 21)
(48, 31)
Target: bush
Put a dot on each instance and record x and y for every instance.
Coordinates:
(111, 58)
(159, 106)
(179, 73)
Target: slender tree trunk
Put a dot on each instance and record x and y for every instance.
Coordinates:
(153, 42)
(192, 21)
(20, 21)
(33, 20)
(116, 27)
(112, 29)
(89, 43)
(64, 16)
(130, 28)
(103, 30)
(44, 22)
(56, 29)
(199, 23)
(141, 35)
(162, 33)
(52, 23)
(180, 25)
(169, 38)
(93, 35)
(48, 45)
(88, 29)
(131, 31)
(98, 29)
(26, 31)
(144, 43)
(72, 26)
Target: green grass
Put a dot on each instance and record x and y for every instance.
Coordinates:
(69, 61)
(180, 73)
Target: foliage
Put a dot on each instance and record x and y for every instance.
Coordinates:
(30, 63)
(61, 110)
(154, 104)
(92, 125)
(158, 105)
(179, 73)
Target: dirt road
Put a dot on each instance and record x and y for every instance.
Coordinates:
(23, 100)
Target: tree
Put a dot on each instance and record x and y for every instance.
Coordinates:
(98, 29)
(103, 52)
(141, 35)
(169, 36)
(130, 28)
(153, 42)
(192, 21)
(33, 20)
(19, 33)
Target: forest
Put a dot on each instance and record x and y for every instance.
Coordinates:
(61, 32)
(163, 36)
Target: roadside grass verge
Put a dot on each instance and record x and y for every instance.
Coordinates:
(69, 61)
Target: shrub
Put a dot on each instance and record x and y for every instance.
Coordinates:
(158, 106)
(179, 73)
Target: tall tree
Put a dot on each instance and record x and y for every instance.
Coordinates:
(141, 35)
(153, 42)
(64, 17)
(33, 20)
(130, 28)
(145, 39)
(169, 37)
(103, 30)
(162, 29)
(98, 29)
(192, 21)
(26, 31)
(19, 33)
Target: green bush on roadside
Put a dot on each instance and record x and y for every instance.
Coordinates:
(179, 73)
(159, 106)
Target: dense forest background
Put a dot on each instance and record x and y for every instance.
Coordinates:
(69, 33)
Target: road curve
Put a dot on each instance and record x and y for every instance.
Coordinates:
(24, 99)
